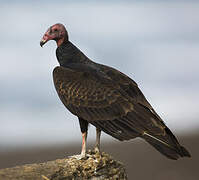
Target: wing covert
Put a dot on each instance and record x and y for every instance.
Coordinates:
(130, 87)
(89, 95)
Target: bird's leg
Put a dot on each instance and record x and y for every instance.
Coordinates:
(84, 142)
(97, 143)
(83, 151)
(84, 129)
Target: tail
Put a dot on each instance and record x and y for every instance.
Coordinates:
(167, 145)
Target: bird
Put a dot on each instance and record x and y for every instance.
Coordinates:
(106, 98)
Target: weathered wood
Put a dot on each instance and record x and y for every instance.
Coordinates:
(95, 167)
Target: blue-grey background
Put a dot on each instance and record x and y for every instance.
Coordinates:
(154, 42)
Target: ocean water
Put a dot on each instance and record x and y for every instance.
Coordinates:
(156, 44)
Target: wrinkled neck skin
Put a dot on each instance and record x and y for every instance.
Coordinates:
(60, 41)
(67, 53)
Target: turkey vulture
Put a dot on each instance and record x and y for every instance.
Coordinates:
(106, 98)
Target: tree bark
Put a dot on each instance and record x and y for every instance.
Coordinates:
(96, 166)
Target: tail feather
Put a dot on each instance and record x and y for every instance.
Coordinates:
(185, 152)
(171, 150)
(154, 131)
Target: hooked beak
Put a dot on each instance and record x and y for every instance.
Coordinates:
(45, 38)
(42, 42)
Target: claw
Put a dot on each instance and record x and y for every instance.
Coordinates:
(96, 150)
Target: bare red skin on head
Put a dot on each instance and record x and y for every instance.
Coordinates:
(56, 32)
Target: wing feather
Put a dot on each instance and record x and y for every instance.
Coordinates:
(96, 98)
(90, 96)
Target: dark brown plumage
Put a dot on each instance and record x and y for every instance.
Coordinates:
(108, 99)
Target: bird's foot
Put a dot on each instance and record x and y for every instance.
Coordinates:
(96, 150)
(80, 156)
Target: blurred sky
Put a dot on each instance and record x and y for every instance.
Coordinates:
(154, 42)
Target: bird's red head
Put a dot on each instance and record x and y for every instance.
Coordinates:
(56, 32)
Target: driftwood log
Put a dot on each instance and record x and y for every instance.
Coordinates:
(95, 167)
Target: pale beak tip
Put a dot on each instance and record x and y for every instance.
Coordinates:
(42, 42)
